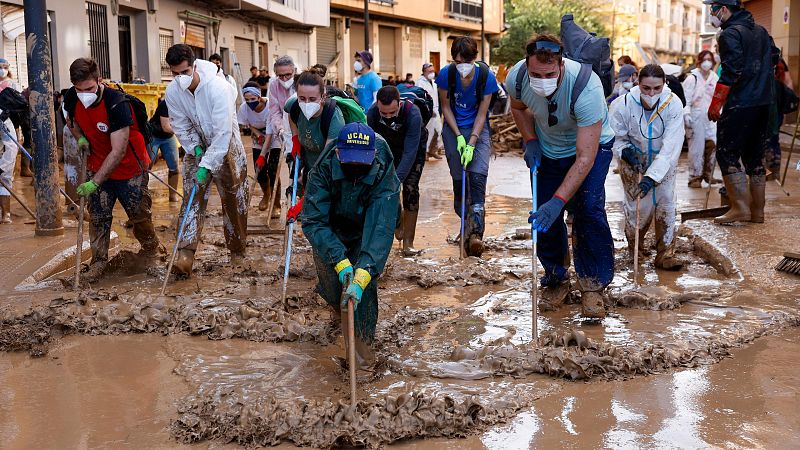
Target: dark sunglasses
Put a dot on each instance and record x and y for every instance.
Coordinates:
(552, 107)
(547, 46)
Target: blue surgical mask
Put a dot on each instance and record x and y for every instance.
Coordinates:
(253, 105)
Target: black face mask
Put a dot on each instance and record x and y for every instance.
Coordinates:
(355, 172)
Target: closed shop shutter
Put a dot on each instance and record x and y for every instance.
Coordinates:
(356, 38)
(762, 12)
(326, 43)
(195, 35)
(244, 54)
(386, 41)
(17, 60)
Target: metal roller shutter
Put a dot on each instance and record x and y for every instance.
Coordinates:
(762, 12)
(195, 35)
(326, 43)
(356, 38)
(244, 54)
(386, 43)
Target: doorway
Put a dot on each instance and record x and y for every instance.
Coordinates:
(435, 59)
(125, 50)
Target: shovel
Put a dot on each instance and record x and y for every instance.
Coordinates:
(79, 245)
(177, 241)
(350, 342)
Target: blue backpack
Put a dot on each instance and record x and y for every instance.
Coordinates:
(419, 97)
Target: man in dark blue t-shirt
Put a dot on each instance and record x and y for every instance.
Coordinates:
(466, 137)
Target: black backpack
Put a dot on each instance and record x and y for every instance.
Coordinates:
(480, 86)
(139, 113)
(333, 91)
(419, 97)
(676, 87)
(15, 107)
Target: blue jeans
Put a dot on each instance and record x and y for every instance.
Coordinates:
(169, 151)
(593, 247)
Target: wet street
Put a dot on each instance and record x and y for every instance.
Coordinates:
(701, 358)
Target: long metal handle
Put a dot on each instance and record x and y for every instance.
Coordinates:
(534, 264)
(463, 211)
(19, 200)
(791, 149)
(79, 245)
(290, 230)
(636, 241)
(178, 240)
(351, 350)
(165, 184)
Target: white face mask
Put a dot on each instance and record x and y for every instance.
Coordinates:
(3, 73)
(431, 76)
(309, 109)
(628, 85)
(184, 81)
(716, 22)
(706, 65)
(650, 100)
(465, 69)
(544, 87)
(87, 98)
(287, 84)
(358, 66)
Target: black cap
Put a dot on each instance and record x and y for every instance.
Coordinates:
(722, 2)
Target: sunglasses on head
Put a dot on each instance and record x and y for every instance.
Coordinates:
(546, 46)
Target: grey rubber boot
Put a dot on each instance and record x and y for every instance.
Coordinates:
(739, 195)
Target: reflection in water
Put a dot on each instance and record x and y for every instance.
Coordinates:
(569, 405)
(680, 430)
(518, 435)
(621, 436)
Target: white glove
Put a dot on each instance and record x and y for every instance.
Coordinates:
(687, 120)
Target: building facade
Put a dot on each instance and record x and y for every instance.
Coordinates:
(404, 34)
(129, 38)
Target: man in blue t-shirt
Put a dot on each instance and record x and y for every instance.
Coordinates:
(368, 82)
(571, 148)
(465, 92)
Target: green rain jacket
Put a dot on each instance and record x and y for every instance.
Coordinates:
(339, 214)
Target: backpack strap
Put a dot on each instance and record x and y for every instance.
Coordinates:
(480, 86)
(521, 74)
(580, 84)
(451, 85)
(328, 109)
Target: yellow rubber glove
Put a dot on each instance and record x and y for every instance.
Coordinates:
(345, 271)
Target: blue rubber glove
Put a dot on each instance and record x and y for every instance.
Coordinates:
(345, 271)
(202, 176)
(543, 219)
(631, 156)
(533, 153)
(645, 185)
(361, 279)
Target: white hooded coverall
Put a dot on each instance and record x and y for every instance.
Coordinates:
(699, 91)
(658, 137)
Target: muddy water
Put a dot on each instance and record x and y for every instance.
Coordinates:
(157, 389)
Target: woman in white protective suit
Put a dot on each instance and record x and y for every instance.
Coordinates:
(648, 124)
(699, 88)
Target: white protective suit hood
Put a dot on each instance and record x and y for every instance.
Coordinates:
(630, 124)
(207, 117)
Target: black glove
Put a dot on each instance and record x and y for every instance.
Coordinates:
(631, 156)
(645, 185)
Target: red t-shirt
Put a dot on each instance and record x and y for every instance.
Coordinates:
(113, 113)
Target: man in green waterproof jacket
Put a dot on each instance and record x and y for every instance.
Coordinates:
(351, 210)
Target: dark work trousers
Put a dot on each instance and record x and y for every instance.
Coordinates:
(268, 172)
(741, 135)
(593, 247)
(411, 184)
(366, 315)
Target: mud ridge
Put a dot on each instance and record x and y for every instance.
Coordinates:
(453, 271)
(710, 253)
(372, 423)
(655, 299)
(558, 357)
(218, 318)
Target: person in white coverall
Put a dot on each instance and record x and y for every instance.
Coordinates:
(201, 107)
(8, 159)
(649, 132)
(428, 82)
(699, 88)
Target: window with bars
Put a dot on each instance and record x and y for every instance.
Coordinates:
(165, 41)
(465, 9)
(98, 36)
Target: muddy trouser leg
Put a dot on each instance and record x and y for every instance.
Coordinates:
(665, 212)
(772, 154)
(135, 199)
(101, 209)
(72, 164)
(232, 185)
(196, 212)
(630, 183)
(553, 250)
(263, 176)
(741, 133)
(328, 286)
(479, 166)
(272, 170)
(696, 147)
(593, 250)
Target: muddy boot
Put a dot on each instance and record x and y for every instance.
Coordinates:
(724, 200)
(696, 182)
(183, 262)
(238, 259)
(739, 194)
(263, 205)
(276, 203)
(5, 209)
(709, 162)
(94, 271)
(475, 221)
(554, 296)
(668, 262)
(25, 168)
(592, 304)
(757, 185)
(409, 231)
(398, 232)
(172, 180)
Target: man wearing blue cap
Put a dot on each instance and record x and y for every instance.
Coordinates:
(350, 213)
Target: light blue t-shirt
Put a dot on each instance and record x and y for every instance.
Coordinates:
(466, 97)
(559, 141)
(366, 87)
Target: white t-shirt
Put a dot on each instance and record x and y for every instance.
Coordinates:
(258, 120)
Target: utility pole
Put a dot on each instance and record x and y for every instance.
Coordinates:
(45, 159)
(483, 35)
(366, 26)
